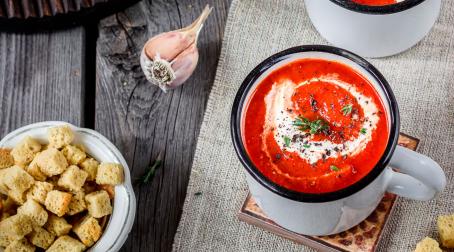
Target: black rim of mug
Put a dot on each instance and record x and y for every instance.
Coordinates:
(380, 10)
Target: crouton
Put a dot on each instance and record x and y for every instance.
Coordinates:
(16, 226)
(446, 230)
(24, 152)
(3, 187)
(6, 159)
(81, 147)
(34, 170)
(16, 179)
(41, 237)
(39, 191)
(73, 178)
(60, 136)
(51, 162)
(77, 203)
(88, 230)
(427, 245)
(5, 240)
(36, 213)
(4, 215)
(90, 165)
(58, 202)
(5, 237)
(110, 189)
(110, 174)
(73, 154)
(21, 245)
(57, 225)
(18, 197)
(66, 244)
(98, 204)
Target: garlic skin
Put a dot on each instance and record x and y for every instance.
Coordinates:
(184, 65)
(169, 59)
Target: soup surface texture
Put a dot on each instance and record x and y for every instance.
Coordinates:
(315, 126)
(376, 2)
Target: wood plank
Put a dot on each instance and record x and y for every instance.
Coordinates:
(41, 78)
(143, 121)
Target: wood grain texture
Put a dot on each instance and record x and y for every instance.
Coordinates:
(24, 9)
(41, 78)
(143, 121)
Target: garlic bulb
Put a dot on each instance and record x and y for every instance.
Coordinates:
(169, 59)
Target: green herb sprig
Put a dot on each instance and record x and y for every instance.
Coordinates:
(149, 174)
(314, 127)
(363, 131)
(287, 141)
(334, 168)
(302, 122)
(347, 109)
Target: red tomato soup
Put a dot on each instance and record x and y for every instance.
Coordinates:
(315, 126)
(375, 2)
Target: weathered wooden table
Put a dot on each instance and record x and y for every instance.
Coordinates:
(90, 76)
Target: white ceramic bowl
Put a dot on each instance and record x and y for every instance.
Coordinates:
(124, 205)
(373, 31)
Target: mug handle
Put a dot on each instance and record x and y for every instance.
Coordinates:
(418, 176)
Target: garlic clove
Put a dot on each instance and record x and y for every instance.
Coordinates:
(184, 65)
(169, 59)
(168, 45)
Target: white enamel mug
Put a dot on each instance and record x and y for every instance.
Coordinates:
(124, 206)
(414, 176)
(373, 31)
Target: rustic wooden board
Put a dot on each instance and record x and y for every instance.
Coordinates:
(361, 238)
(29, 15)
(143, 121)
(41, 78)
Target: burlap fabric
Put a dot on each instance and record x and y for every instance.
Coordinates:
(422, 79)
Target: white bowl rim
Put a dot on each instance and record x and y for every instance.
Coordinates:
(117, 242)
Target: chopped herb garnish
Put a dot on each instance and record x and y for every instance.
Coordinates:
(347, 109)
(306, 146)
(197, 193)
(318, 126)
(314, 127)
(287, 141)
(334, 168)
(302, 122)
(363, 131)
(148, 176)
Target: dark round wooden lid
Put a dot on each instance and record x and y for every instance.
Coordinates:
(29, 15)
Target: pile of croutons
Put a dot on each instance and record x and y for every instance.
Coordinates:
(54, 196)
(445, 225)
